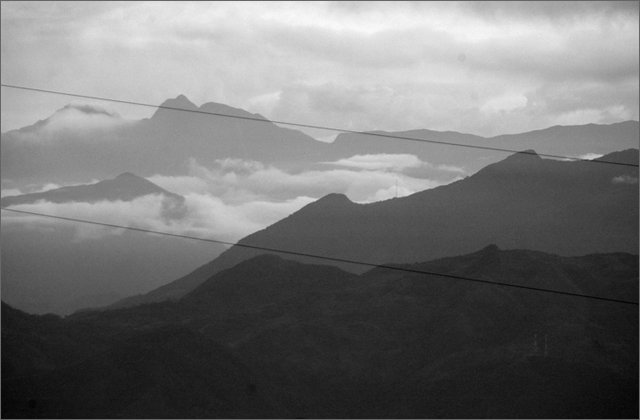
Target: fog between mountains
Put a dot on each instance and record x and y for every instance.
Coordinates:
(236, 197)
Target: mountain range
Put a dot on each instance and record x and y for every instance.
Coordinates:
(276, 338)
(163, 143)
(524, 201)
(574, 140)
(63, 149)
(124, 187)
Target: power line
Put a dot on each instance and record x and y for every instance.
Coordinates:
(321, 127)
(326, 258)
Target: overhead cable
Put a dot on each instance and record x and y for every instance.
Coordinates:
(401, 268)
(321, 127)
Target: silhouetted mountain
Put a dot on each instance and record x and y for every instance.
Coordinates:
(392, 343)
(168, 108)
(81, 142)
(124, 187)
(568, 208)
(179, 102)
(163, 144)
(576, 141)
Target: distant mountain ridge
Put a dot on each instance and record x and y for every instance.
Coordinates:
(566, 208)
(571, 141)
(181, 102)
(164, 144)
(124, 187)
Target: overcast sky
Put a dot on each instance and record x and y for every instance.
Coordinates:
(483, 68)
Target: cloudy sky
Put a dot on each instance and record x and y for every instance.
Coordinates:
(479, 67)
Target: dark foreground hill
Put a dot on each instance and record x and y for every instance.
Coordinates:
(297, 340)
(167, 371)
(566, 208)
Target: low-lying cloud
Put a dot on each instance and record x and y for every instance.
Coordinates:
(204, 216)
(404, 164)
(82, 117)
(235, 197)
(590, 156)
(363, 178)
(379, 162)
(73, 121)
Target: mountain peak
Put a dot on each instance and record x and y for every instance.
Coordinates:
(490, 248)
(525, 154)
(179, 102)
(524, 160)
(218, 108)
(130, 180)
(128, 175)
(334, 199)
(330, 204)
(629, 156)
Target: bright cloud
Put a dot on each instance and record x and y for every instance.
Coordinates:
(235, 197)
(480, 67)
(590, 156)
(206, 216)
(379, 162)
(82, 118)
(586, 156)
(360, 178)
(405, 164)
(83, 121)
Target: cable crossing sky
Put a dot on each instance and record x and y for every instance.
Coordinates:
(336, 129)
(334, 259)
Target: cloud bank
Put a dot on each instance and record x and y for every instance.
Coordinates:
(234, 197)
